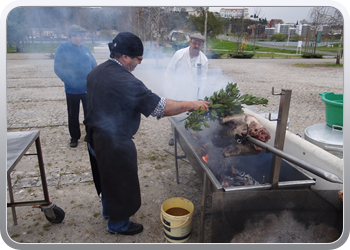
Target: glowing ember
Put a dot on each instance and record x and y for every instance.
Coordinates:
(237, 178)
(205, 158)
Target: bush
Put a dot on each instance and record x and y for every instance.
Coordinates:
(279, 37)
(311, 55)
(295, 37)
(241, 55)
(214, 55)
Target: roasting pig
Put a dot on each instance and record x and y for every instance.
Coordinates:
(230, 132)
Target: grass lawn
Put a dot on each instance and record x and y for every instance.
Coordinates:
(228, 45)
(215, 44)
(274, 55)
(325, 48)
(44, 47)
(302, 65)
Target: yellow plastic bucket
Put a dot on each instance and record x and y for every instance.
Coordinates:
(177, 228)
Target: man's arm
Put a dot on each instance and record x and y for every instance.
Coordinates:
(175, 107)
(171, 69)
(93, 60)
(59, 65)
(204, 72)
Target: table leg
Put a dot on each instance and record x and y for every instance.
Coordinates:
(9, 185)
(175, 133)
(42, 169)
(203, 208)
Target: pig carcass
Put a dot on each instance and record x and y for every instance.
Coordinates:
(230, 132)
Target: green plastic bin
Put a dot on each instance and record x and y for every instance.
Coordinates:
(334, 108)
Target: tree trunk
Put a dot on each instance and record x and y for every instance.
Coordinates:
(339, 49)
(18, 46)
(254, 39)
(315, 47)
(157, 41)
(205, 30)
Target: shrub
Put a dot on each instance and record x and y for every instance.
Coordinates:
(241, 55)
(295, 37)
(279, 37)
(311, 55)
(214, 54)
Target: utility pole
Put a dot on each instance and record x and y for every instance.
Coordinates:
(242, 26)
(205, 29)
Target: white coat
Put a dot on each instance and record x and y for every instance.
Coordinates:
(185, 79)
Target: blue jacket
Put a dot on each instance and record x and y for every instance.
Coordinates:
(72, 65)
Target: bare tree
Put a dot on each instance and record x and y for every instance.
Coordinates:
(336, 18)
(327, 16)
(257, 12)
(157, 16)
(318, 17)
(205, 29)
(126, 19)
(240, 35)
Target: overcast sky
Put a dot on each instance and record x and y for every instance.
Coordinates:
(287, 14)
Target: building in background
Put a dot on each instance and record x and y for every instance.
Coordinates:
(273, 22)
(256, 30)
(234, 13)
(270, 31)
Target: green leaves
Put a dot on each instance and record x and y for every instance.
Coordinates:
(225, 102)
(195, 120)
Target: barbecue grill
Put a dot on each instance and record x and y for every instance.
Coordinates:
(250, 205)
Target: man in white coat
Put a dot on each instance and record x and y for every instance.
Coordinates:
(186, 73)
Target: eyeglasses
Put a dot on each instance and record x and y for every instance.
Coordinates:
(197, 43)
(81, 34)
(140, 58)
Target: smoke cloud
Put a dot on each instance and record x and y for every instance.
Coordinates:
(179, 87)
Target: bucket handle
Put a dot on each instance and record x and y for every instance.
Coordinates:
(161, 219)
(337, 126)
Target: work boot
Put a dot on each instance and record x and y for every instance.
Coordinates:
(134, 228)
(73, 142)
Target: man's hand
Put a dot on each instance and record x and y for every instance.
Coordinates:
(175, 107)
(202, 104)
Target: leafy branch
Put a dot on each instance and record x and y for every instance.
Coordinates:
(225, 102)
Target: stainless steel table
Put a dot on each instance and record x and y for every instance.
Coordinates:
(18, 143)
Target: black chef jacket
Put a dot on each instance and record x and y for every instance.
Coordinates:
(115, 101)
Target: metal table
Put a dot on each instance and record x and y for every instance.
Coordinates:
(18, 143)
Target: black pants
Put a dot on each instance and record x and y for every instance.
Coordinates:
(73, 107)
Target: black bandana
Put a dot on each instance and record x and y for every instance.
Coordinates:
(126, 43)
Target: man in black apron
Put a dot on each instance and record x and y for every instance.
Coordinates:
(115, 101)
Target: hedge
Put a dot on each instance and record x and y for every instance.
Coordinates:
(241, 55)
(312, 55)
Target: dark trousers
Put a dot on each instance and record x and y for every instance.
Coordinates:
(73, 107)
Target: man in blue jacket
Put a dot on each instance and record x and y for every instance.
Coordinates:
(73, 62)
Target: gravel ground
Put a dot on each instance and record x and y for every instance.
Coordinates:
(36, 101)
